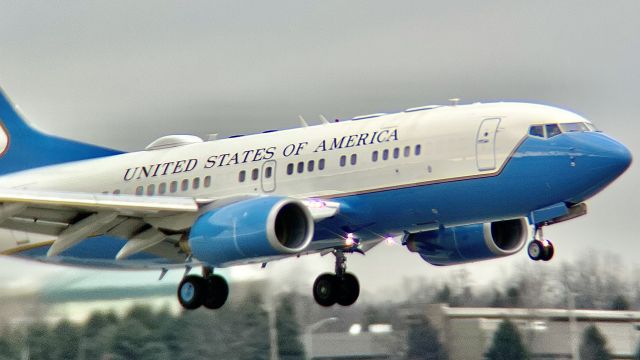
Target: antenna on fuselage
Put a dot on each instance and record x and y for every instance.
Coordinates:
(303, 122)
(454, 101)
(323, 119)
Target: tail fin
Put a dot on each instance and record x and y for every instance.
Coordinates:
(23, 147)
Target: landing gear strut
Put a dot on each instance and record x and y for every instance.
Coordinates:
(540, 248)
(209, 290)
(342, 287)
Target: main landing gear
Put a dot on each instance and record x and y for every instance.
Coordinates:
(209, 290)
(540, 248)
(342, 287)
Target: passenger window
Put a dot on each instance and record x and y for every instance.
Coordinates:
(418, 149)
(207, 181)
(268, 172)
(343, 160)
(374, 156)
(173, 187)
(396, 153)
(139, 190)
(407, 151)
(162, 188)
(321, 164)
(242, 176)
(310, 165)
(116, 192)
(552, 130)
(254, 174)
(185, 185)
(536, 130)
(300, 167)
(289, 169)
(354, 159)
(196, 183)
(385, 154)
(151, 189)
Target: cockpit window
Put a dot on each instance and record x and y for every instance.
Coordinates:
(552, 130)
(536, 130)
(574, 127)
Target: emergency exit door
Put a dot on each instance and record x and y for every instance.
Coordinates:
(486, 144)
(268, 177)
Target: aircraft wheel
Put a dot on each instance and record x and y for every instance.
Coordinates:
(325, 289)
(216, 292)
(191, 292)
(535, 250)
(348, 289)
(548, 250)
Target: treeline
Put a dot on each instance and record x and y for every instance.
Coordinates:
(594, 281)
(238, 331)
(249, 328)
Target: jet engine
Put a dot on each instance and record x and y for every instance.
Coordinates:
(251, 229)
(469, 243)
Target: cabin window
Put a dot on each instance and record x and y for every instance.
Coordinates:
(374, 156)
(536, 130)
(196, 183)
(552, 130)
(396, 153)
(116, 192)
(310, 165)
(300, 167)
(268, 172)
(162, 188)
(407, 151)
(185, 185)
(207, 181)
(321, 164)
(242, 175)
(343, 160)
(139, 190)
(173, 186)
(385, 154)
(254, 174)
(151, 189)
(417, 150)
(354, 159)
(289, 169)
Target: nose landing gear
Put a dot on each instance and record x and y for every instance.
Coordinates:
(342, 287)
(540, 248)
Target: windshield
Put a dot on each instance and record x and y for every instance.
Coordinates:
(550, 130)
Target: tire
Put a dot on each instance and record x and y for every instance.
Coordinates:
(548, 251)
(191, 292)
(325, 290)
(348, 290)
(535, 250)
(216, 292)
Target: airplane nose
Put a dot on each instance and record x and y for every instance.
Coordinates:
(605, 156)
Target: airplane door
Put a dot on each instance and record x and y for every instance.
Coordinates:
(268, 177)
(485, 144)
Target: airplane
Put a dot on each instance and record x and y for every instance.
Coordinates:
(453, 183)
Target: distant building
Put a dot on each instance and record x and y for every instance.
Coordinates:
(467, 333)
(368, 345)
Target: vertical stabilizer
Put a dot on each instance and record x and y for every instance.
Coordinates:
(23, 147)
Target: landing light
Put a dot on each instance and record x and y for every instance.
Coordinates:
(390, 240)
(350, 239)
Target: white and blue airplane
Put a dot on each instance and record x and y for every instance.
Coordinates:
(456, 184)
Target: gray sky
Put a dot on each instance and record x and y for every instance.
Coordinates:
(120, 74)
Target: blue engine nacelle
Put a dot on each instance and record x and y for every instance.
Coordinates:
(251, 229)
(469, 243)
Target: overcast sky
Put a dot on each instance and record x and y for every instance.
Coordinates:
(122, 73)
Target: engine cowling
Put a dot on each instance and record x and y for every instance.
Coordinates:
(469, 243)
(251, 229)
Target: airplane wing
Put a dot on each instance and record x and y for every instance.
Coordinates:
(149, 223)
